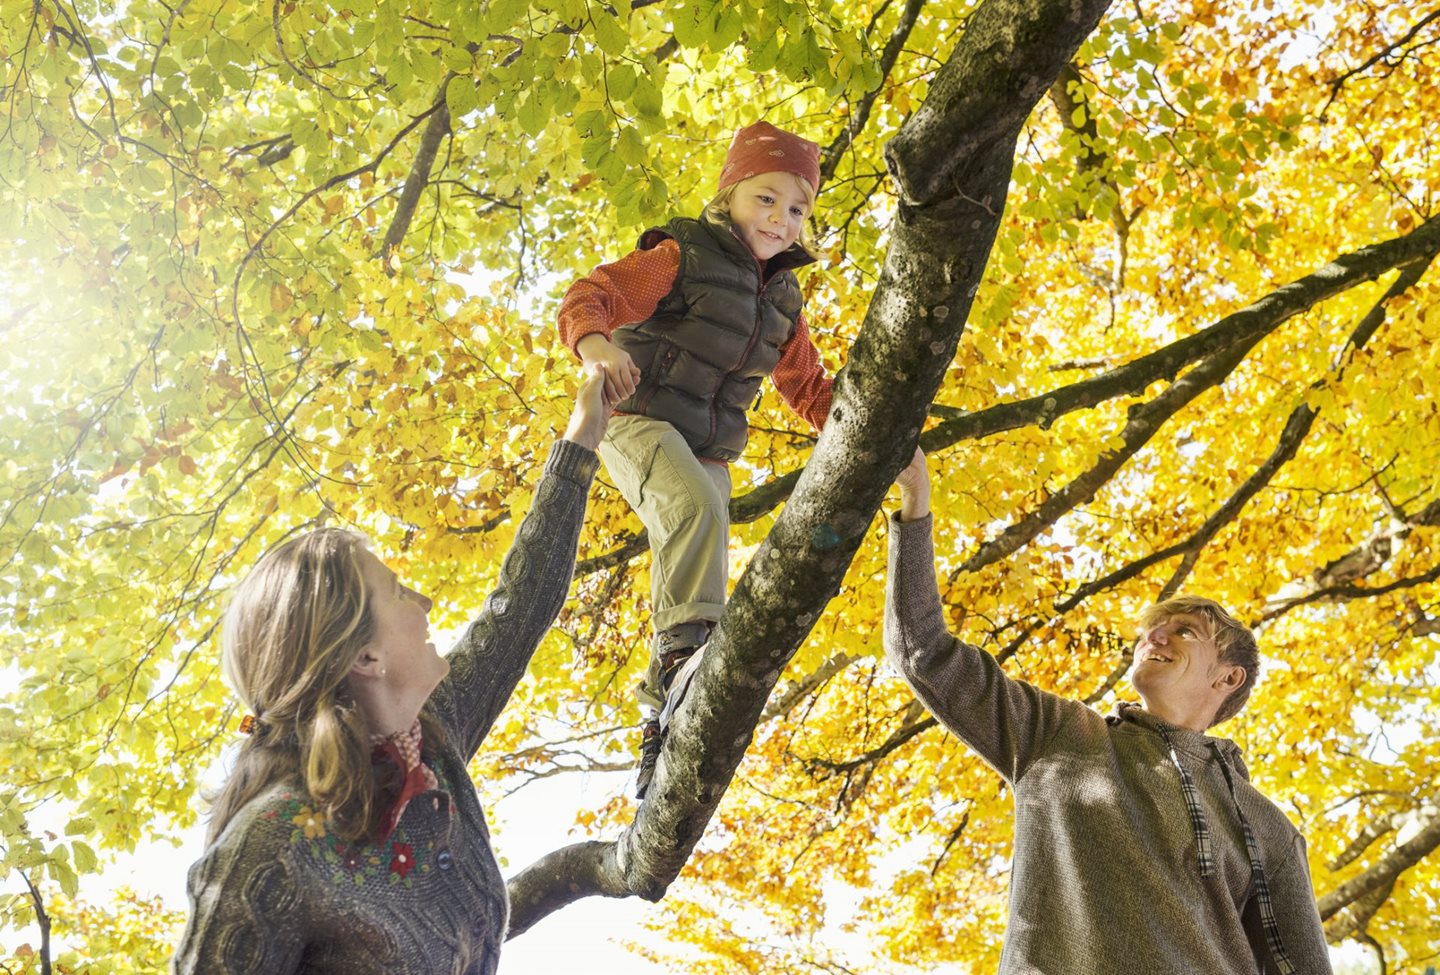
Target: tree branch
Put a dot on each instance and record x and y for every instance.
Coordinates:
(855, 124)
(561, 878)
(899, 737)
(42, 919)
(1383, 872)
(806, 686)
(1364, 839)
(419, 177)
(1338, 82)
(1297, 426)
(951, 162)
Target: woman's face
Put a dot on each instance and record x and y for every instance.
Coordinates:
(411, 667)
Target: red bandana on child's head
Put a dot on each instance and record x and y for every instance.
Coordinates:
(762, 148)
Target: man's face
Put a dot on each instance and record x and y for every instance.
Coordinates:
(1177, 667)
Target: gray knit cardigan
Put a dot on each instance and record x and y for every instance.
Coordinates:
(277, 893)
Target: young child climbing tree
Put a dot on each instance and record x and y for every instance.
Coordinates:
(686, 327)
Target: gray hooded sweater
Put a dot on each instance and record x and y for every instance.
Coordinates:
(278, 894)
(1131, 850)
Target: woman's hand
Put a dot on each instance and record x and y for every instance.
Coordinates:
(592, 410)
(914, 485)
(621, 373)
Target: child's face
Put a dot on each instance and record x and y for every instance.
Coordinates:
(768, 211)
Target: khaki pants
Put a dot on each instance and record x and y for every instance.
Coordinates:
(685, 507)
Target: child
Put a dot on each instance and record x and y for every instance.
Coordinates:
(685, 328)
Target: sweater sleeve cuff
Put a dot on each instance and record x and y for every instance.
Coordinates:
(573, 462)
(915, 539)
(915, 616)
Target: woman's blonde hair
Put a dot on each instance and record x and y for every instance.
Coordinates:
(293, 630)
(719, 209)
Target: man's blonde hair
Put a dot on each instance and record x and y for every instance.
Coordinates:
(1233, 639)
(719, 208)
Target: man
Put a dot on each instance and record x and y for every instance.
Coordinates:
(1140, 846)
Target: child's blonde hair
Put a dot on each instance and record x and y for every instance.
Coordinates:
(719, 209)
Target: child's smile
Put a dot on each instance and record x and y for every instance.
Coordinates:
(768, 211)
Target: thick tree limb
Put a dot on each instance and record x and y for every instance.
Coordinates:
(951, 163)
(1385, 870)
(1254, 320)
(806, 686)
(1354, 919)
(1366, 838)
(1337, 578)
(1144, 422)
(1297, 426)
(561, 878)
(1350, 591)
(1338, 82)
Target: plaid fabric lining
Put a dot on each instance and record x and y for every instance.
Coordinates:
(1283, 964)
(1192, 805)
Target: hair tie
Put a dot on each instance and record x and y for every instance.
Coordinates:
(247, 724)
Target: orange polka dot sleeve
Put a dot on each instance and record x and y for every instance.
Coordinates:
(617, 294)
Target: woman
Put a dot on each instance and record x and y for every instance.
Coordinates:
(349, 837)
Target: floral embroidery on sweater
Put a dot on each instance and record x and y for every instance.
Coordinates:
(353, 863)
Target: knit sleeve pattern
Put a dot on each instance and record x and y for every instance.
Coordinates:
(1006, 721)
(246, 908)
(492, 656)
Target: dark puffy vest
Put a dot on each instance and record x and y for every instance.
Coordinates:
(714, 337)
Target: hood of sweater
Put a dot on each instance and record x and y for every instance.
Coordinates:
(1194, 744)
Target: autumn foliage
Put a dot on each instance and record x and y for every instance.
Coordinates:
(270, 267)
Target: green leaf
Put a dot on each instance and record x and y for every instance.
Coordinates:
(621, 82)
(762, 57)
(505, 14)
(647, 98)
(610, 33)
(534, 114)
(460, 96)
(85, 858)
(630, 147)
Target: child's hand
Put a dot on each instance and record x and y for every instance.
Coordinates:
(621, 373)
(592, 410)
(914, 485)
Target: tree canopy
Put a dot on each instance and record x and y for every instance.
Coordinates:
(1162, 287)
